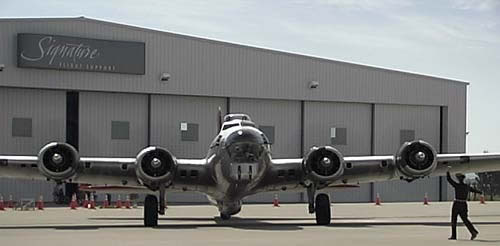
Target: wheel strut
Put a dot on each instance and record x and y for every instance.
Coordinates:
(162, 200)
(311, 192)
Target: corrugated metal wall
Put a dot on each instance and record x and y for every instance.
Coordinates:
(47, 109)
(97, 110)
(320, 117)
(389, 120)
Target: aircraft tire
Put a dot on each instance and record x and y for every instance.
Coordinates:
(151, 211)
(323, 210)
(224, 216)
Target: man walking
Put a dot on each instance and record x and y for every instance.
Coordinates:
(460, 205)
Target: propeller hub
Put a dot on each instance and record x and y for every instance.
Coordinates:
(326, 162)
(420, 156)
(57, 158)
(155, 163)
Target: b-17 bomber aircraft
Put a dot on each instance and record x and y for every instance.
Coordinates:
(238, 164)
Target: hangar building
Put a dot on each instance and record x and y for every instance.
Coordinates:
(111, 89)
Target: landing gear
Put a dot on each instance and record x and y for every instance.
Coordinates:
(225, 216)
(151, 211)
(322, 209)
(162, 200)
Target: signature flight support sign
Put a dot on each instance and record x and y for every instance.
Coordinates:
(80, 54)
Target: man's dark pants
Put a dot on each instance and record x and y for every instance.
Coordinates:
(460, 208)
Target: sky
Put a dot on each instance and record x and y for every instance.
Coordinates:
(447, 38)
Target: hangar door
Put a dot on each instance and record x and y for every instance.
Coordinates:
(30, 119)
(280, 120)
(185, 125)
(395, 124)
(112, 124)
(345, 126)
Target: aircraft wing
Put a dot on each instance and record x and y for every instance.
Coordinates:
(151, 166)
(413, 161)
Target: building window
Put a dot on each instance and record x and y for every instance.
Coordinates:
(406, 136)
(21, 127)
(189, 132)
(338, 136)
(269, 132)
(120, 130)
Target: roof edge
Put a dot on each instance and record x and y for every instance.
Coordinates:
(99, 20)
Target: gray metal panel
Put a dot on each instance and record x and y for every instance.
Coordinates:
(167, 112)
(389, 120)
(98, 110)
(286, 119)
(211, 68)
(46, 108)
(22, 127)
(320, 117)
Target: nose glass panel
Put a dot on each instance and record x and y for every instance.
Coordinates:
(244, 152)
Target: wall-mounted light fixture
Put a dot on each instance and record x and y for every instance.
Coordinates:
(313, 84)
(2, 66)
(165, 77)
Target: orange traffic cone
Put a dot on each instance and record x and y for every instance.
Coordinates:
(2, 206)
(73, 205)
(276, 202)
(39, 204)
(426, 199)
(127, 202)
(119, 202)
(377, 200)
(92, 202)
(10, 203)
(86, 201)
(482, 200)
(106, 202)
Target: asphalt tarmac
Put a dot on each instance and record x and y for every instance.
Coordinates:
(402, 224)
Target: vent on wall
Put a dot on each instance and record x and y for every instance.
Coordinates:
(406, 136)
(22, 127)
(338, 136)
(120, 130)
(189, 132)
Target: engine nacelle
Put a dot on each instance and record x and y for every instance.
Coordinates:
(416, 159)
(324, 164)
(155, 166)
(58, 161)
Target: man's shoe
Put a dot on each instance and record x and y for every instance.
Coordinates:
(452, 238)
(474, 235)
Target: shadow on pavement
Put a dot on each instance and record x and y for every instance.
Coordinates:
(239, 223)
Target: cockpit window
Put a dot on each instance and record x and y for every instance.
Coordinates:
(247, 123)
(227, 126)
(231, 117)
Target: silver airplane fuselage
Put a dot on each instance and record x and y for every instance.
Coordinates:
(238, 159)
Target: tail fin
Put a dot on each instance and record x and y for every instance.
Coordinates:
(219, 120)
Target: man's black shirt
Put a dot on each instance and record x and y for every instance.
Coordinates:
(461, 189)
